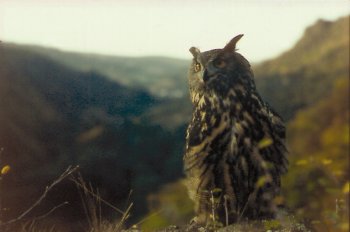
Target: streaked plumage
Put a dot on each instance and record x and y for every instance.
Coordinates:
(235, 144)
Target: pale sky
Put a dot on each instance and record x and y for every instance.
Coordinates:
(163, 28)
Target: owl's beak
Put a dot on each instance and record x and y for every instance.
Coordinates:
(207, 75)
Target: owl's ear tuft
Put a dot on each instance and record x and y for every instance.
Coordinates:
(231, 46)
(195, 52)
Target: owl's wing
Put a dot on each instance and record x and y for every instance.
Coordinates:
(276, 153)
(202, 131)
(194, 132)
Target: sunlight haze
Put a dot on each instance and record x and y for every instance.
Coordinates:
(155, 28)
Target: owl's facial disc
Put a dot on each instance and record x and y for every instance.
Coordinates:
(216, 65)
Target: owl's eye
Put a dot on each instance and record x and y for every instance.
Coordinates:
(197, 67)
(219, 63)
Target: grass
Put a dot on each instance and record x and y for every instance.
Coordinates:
(92, 204)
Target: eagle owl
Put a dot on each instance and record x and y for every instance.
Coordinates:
(235, 143)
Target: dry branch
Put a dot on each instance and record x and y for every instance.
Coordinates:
(64, 175)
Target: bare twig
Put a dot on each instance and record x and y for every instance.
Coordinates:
(92, 200)
(128, 199)
(64, 175)
(81, 184)
(50, 211)
(125, 216)
(84, 205)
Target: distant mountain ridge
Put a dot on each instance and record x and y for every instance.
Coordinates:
(323, 49)
(323, 44)
(161, 76)
(305, 74)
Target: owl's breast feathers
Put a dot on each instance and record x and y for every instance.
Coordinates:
(232, 139)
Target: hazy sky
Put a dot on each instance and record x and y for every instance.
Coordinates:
(166, 28)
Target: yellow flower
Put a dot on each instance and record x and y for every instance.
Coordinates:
(5, 169)
(346, 187)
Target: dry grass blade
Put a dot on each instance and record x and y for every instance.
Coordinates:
(125, 217)
(92, 202)
(82, 185)
(50, 211)
(147, 218)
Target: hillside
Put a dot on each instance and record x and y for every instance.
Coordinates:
(305, 74)
(161, 76)
(317, 182)
(52, 117)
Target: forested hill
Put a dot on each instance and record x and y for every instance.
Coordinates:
(161, 76)
(306, 73)
(52, 117)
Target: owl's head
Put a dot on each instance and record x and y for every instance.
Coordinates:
(219, 70)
